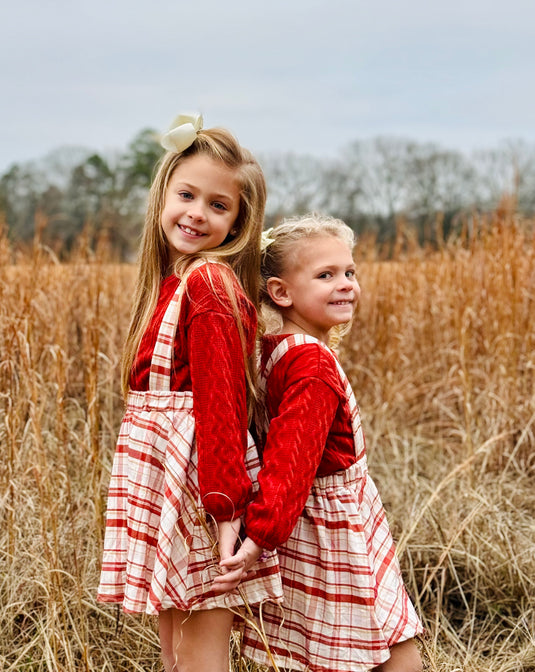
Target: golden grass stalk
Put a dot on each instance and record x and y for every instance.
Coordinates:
(442, 361)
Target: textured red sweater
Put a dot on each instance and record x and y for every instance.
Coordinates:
(310, 434)
(208, 360)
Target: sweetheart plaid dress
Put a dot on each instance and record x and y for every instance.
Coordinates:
(159, 546)
(344, 602)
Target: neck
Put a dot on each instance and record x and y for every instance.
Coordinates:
(290, 326)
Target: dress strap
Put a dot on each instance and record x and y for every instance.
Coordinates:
(294, 340)
(162, 357)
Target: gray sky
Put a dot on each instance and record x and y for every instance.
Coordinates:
(307, 76)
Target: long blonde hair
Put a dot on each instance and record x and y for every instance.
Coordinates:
(240, 251)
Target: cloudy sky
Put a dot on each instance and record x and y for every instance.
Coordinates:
(307, 76)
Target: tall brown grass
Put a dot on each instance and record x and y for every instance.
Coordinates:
(442, 358)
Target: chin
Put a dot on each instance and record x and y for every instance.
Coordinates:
(343, 319)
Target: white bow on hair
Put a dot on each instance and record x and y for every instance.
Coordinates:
(266, 239)
(183, 132)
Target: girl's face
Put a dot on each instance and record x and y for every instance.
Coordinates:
(202, 202)
(320, 289)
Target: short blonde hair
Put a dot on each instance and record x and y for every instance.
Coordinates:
(278, 257)
(278, 253)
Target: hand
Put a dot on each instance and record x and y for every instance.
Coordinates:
(236, 567)
(227, 534)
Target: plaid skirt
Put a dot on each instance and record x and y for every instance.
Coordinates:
(345, 602)
(160, 549)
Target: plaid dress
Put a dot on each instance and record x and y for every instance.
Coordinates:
(345, 602)
(160, 549)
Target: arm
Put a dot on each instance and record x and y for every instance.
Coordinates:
(218, 385)
(292, 454)
(291, 457)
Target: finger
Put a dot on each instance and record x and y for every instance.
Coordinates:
(234, 561)
(230, 577)
(230, 565)
(226, 582)
(220, 588)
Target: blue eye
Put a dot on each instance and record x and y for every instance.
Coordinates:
(219, 206)
(350, 274)
(185, 194)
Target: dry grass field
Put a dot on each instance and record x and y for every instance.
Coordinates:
(442, 359)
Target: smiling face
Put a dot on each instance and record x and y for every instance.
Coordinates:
(319, 289)
(201, 205)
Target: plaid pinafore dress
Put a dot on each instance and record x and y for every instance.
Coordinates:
(159, 547)
(344, 602)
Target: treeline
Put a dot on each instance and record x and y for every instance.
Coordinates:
(371, 184)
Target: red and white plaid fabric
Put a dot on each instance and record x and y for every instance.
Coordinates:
(159, 550)
(345, 602)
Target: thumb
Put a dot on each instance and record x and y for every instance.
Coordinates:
(235, 561)
(247, 555)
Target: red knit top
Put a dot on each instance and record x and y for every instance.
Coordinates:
(310, 434)
(208, 360)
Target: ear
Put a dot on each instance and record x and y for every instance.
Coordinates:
(278, 292)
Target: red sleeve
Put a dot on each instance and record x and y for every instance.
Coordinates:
(218, 381)
(293, 450)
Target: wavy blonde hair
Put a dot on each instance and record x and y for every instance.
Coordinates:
(240, 251)
(279, 255)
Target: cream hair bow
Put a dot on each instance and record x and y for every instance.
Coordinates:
(266, 239)
(183, 132)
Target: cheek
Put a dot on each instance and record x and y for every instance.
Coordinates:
(164, 215)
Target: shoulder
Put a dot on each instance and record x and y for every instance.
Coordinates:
(307, 360)
(168, 287)
(212, 275)
(208, 287)
(214, 295)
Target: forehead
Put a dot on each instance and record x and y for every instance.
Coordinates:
(319, 250)
(204, 172)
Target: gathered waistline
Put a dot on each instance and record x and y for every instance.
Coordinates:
(353, 474)
(159, 400)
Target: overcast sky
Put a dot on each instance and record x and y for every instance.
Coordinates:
(307, 76)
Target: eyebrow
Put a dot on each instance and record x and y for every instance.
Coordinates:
(331, 267)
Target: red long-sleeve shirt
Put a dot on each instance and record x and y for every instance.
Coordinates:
(310, 434)
(208, 360)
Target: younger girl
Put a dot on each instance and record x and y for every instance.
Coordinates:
(345, 607)
(188, 369)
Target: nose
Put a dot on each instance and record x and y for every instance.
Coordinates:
(196, 211)
(348, 283)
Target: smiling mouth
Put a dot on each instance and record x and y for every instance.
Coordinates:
(342, 303)
(190, 231)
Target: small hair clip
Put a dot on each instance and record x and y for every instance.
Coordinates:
(183, 132)
(266, 239)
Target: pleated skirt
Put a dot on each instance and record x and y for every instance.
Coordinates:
(345, 602)
(160, 549)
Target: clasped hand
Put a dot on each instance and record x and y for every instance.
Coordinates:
(234, 566)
